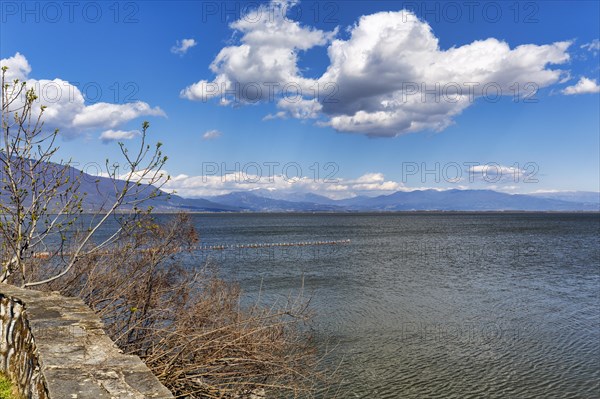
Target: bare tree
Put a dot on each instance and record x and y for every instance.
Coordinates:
(40, 199)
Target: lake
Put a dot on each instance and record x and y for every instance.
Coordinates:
(436, 305)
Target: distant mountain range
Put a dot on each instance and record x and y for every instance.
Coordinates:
(418, 200)
(100, 189)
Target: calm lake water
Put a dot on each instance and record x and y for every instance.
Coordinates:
(435, 305)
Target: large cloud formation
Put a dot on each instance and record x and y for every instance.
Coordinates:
(390, 77)
(66, 107)
(205, 186)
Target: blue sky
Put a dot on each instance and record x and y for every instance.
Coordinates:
(354, 119)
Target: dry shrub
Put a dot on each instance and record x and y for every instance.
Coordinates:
(189, 325)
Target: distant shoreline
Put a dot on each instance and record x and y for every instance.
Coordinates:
(435, 212)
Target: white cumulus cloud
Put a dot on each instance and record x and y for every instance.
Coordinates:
(264, 62)
(114, 135)
(112, 115)
(393, 77)
(18, 67)
(583, 86)
(182, 46)
(66, 107)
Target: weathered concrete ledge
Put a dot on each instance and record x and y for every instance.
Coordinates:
(54, 347)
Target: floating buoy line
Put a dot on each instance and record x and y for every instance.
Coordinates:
(271, 245)
(47, 255)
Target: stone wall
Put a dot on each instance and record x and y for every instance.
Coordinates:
(54, 347)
